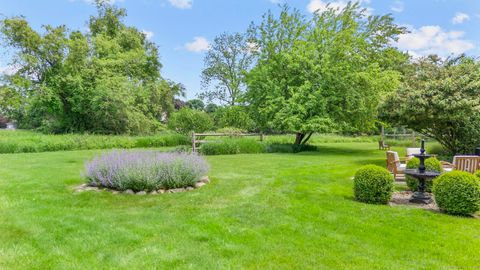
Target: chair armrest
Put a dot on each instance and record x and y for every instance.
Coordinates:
(447, 164)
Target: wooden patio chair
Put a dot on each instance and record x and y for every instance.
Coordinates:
(395, 165)
(383, 146)
(463, 163)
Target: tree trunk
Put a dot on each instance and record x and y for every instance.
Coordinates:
(307, 138)
(299, 137)
(300, 140)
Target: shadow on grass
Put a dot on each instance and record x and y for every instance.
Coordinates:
(339, 150)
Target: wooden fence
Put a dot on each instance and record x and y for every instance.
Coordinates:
(195, 142)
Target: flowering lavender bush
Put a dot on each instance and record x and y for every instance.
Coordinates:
(145, 170)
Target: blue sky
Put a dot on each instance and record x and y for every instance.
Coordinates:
(183, 28)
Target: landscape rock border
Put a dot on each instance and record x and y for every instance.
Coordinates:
(200, 183)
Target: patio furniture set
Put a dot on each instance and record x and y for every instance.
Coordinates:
(397, 165)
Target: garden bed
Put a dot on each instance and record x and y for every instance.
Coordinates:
(403, 198)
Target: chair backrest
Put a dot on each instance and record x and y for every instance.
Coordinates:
(412, 151)
(466, 163)
(393, 161)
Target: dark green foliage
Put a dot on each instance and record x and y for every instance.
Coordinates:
(186, 121)
(211, 108)
(373, 184)
(233, 116)
(3, 121)
(441, 99)
(195, 104)
(431, 164)
(457, 193)
(290, 148)
(104, 81)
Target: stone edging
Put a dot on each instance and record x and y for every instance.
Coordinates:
(85, 187)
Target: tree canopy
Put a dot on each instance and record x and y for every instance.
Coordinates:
(226, 63)
(321, 75)
(106, 80)
(440, 98)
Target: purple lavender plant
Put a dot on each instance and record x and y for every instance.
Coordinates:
(145, 170)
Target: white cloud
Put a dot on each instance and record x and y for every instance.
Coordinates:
(432, 39)
(111, 2)
(277, 1)
(460, 18)
(148, 34)
(199, 44)
(181, 4)
(398, 6)
(321, 6)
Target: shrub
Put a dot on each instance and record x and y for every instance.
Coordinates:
(233, 146)
(457, 193)
(146, 170)
(211, 108)
(195, 104)
(231, 130)
(187, 120)
(233, 116)
(477, 173)
(20, 141)
(373, 184)
(431, 164)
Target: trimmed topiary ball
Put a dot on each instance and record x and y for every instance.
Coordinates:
(457, 193)
(373, 184)
(431, 164)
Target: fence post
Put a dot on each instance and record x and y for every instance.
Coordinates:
(194, 142)
(261, 137)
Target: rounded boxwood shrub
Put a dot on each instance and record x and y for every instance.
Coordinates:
(457, 193)
(145, 170)
(373, 184)
(431, 164)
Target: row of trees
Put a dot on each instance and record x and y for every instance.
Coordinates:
(322, 74)
(336, 71)
(106, 80)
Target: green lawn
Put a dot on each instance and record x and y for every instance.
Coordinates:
(264, 211)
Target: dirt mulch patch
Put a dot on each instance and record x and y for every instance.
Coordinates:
(403, 197)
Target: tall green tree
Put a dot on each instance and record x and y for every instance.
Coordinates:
(440, 98)
(196, 104)
(322, 74)
(226, 62)
(106, 80)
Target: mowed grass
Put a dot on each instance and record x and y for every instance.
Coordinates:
(261, 211)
